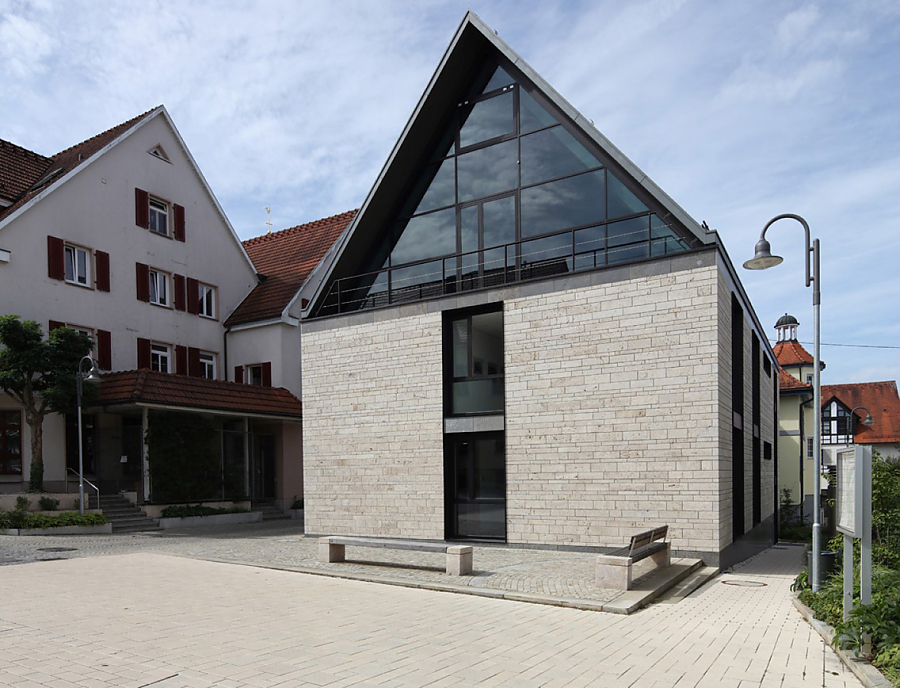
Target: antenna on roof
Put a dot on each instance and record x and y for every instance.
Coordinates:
(268, 220)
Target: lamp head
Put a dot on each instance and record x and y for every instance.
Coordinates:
(868, 420)
(763, 257)
(93, 375)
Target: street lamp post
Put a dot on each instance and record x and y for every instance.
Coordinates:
(762, 260)
(93, 375)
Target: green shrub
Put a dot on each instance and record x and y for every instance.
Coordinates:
(186, 511)
(20, 519)
(49, 504)
(22, 503)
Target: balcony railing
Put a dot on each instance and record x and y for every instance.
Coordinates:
(520, 261)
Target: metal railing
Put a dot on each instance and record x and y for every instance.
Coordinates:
(86, 482)
(520, 261)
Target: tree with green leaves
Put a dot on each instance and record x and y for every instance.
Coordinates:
(40, 374)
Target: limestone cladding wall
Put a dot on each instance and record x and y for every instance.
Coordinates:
(724, 290)
(767, 410)
(372, 423)
(612, 412)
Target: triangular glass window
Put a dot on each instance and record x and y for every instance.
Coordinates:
(499, 79)
(487, 119)
(621, 201)
(532, 115)
(504, 196)
(553, 153)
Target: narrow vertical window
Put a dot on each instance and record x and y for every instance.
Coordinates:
(207, 301)
(159, 288)
(160, 357)
(159, 217)
(475, 363)
(10, 442)
(77, 266)
(207, 365)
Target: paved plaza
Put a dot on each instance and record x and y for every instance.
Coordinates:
(174, 609)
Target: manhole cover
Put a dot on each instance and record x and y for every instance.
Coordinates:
(745, 584)
(57, 549)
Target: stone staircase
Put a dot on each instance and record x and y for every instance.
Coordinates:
(270, 512)
(124, 516)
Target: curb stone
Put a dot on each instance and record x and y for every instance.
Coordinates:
(864, 671)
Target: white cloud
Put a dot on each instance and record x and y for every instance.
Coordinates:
(740, 111)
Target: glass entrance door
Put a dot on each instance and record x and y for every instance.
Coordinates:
(475, 480)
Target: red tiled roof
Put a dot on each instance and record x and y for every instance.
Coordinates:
(19, 169)
(150, 387)
(64, 161)
(791, 353)
(286, 259)
(787, 382)
(880, 399)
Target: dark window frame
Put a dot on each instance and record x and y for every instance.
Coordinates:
(6, 457)
(451, 317)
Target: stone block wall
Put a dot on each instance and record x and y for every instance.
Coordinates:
(612, 410)
(373, 429)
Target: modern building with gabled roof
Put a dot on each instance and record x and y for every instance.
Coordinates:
(520, 338)
(122, 238)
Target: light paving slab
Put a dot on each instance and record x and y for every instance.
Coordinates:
(148, 617)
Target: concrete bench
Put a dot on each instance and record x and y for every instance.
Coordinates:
(459, 557)
(614, 568)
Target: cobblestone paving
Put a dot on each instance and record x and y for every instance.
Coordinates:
(281, 544)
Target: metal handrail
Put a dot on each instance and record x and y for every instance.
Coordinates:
(88, 482)
(509, 269)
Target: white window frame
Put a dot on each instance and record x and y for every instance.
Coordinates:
(160, 356)
(76, 275)
(159, 288)
(158, 210)
(250, 374)
(208, 365)
(207, 297)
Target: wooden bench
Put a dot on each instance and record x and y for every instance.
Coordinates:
(459, 557)
(614, 569)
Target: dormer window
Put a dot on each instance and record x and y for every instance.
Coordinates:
(159, 216)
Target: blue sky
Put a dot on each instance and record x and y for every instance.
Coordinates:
(739, 110)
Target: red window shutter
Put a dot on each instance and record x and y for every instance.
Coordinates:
(101, 258)
(193, 296)
(179, 222)
(239, 373)
(55, 325)
(180, 360)
(193, 362)
(56, 258)
(142, 275)
(266, 374)
(143, 353)
(104, 350)
(179, 292)
(142, 208)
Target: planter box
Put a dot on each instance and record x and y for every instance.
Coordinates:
(295, 513)
(214, 520)
(105, 529)
(155, 510)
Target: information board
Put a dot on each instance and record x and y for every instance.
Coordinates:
(849, 492)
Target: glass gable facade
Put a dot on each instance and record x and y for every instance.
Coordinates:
(508, 194)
